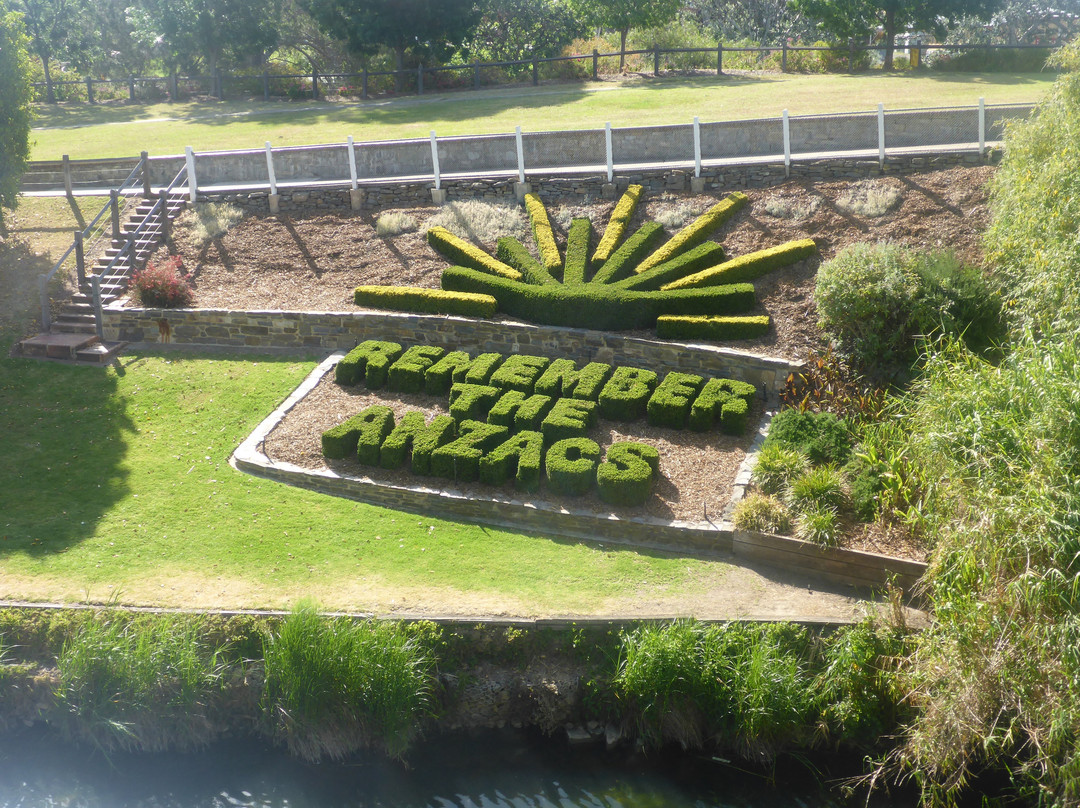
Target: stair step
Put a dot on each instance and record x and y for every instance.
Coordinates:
(99, 352)
(55, 345)
(76, 317)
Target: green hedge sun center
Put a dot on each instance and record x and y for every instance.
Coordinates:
(685, 287)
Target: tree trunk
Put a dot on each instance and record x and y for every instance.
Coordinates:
(890, 36)
(622, 48)
(51, 96)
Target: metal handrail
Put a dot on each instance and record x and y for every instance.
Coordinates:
(78, 245)
(116, 274)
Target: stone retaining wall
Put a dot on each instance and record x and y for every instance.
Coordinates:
(321, 331)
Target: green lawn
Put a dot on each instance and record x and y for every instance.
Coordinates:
(116, 484)
(84, 131)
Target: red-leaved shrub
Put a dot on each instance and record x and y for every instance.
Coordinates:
(165, 286)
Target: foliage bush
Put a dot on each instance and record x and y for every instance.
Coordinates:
(866, 482)
(543, 234)
(761, 513)
(876, 301)
(819, 524)
(577, 252)
(211, 220)
(394, 224)
(719, 329)
(706, 254)
(629, 254)
(426, 301)
(570, 465)
(521, 456)
(462, 252)
(163, 286)
(818, 487)
(748, 267)
(480, 222)
(617, 225)
(821, 436)
(695, 232)
(626, 475)
(776, 466)
(513, 252)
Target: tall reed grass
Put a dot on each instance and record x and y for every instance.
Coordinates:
(334, 686)
(144, 684)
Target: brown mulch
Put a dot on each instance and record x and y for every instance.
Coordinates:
(313, 262)
(696, 469)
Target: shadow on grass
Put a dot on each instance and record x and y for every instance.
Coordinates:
(66, 431)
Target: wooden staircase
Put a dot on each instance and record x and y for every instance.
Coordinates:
(73, 332)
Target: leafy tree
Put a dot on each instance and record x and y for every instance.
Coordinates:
(512, 30)
(765, 21)
(193, 33)
(420, 27)
(843, 19)
(622, 15)
(15, 110)
(56, 29)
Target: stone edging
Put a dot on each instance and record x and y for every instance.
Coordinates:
(704, 538)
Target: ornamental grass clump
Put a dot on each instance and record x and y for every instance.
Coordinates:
(163, 286)
(146, 684)
(777, 465)
(335, 685)
(762, 513)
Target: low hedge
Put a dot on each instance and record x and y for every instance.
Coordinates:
(714, 328)
(626, 396)
(362, 434)
(570, 466)
(700, 257)
(460, 459)
(520, 456)
(626, 475)
(577, 252)
(714, 397)
(622, 262)
(670, 405)
(598, 306)
(471, 402)
(568, 418)
(748, 267)
(511, 251)
(459, 251)
(369, 360)
(544, 235)
(519, 372)
(459, 366)
(618, 222)
(407, 373)
(425, 301)
(414, 437)
(563, 378)
(695, 232)
(519, 412)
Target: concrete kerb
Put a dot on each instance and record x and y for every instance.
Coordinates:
(705, 539)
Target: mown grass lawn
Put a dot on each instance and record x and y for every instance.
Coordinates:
(116, 484)
(85, 131)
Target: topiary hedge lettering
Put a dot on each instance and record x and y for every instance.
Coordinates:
(504, 411)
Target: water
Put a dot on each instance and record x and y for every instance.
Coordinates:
(489, 771)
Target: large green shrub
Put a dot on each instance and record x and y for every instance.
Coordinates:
(878, 300)
(821, 436)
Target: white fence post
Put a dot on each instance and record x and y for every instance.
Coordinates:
(697, 146)
(881, 135)
(787, 144)
(610, 157)
(435, 160)
(982, 126)
(270, 168)
(520, 154)
(352, 163)
(193, 185)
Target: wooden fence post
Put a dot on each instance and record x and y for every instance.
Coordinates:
(851, 55)
(67, 176)
(656, 60)
(315, 84)
(131, 89)
(363, 88)
(595, 63)
(114, 203)
(719, 58)
(80, 257)
(266, 85)
(89, 90)
(174, 87)
(536, 72)
(144, 163)
(476, 75)
(783, 57)
(419, 79)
